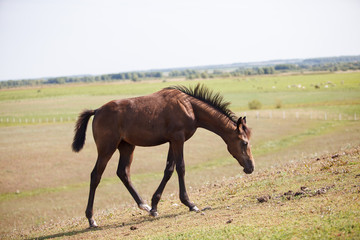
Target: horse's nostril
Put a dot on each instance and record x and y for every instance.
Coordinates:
(248, 170)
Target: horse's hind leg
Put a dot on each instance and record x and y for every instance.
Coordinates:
(102, 160)
(123, 172)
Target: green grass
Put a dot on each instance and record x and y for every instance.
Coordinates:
(288, 141)
(18, 106)
(43, 185)
(258, 84)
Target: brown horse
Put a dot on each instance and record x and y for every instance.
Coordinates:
(170, 115)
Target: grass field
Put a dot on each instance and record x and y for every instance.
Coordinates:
(342, 94)
(44, 186)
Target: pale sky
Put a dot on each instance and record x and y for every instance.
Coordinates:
(44, 38)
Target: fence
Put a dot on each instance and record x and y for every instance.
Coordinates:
(298, 115)
(22, 120)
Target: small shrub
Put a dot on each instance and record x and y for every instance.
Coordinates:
(278, 104)
(255, 104)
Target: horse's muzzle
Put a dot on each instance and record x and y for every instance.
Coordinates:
(249, 168)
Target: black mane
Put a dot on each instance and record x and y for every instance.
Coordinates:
(204, 94)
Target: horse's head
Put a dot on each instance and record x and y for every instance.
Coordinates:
(239, 146)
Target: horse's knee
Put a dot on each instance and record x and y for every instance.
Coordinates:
(168, 173)
(94, 178)
(122, 175)
(180, 170)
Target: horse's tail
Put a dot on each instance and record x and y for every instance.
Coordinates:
(80, 129)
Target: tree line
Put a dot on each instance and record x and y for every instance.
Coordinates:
(266, 70)
(320, 64)
(133, 76)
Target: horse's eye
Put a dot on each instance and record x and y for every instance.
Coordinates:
(245, 143)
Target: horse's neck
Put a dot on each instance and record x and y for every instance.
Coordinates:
(207, 118)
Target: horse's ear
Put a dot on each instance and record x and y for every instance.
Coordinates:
(239, 122)
(244, 119)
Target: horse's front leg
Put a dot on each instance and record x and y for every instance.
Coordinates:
(175, 156)
(180, 169)
(169, 169)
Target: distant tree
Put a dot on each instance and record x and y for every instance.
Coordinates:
(105, 77)
(247, 72)
(217, 72)
(226, 74)
(175, 73)
(60, 80)
(204, 75)
(268, 70)
(158, 74)
(134, 77)
(280, 67)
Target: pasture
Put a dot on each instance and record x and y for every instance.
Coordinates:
(44, 185)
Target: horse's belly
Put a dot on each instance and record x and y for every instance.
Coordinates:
(145, 139)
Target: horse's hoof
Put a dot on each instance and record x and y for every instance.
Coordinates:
(154, 213)
(145, 207)
(92, 223)
(194, 209)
